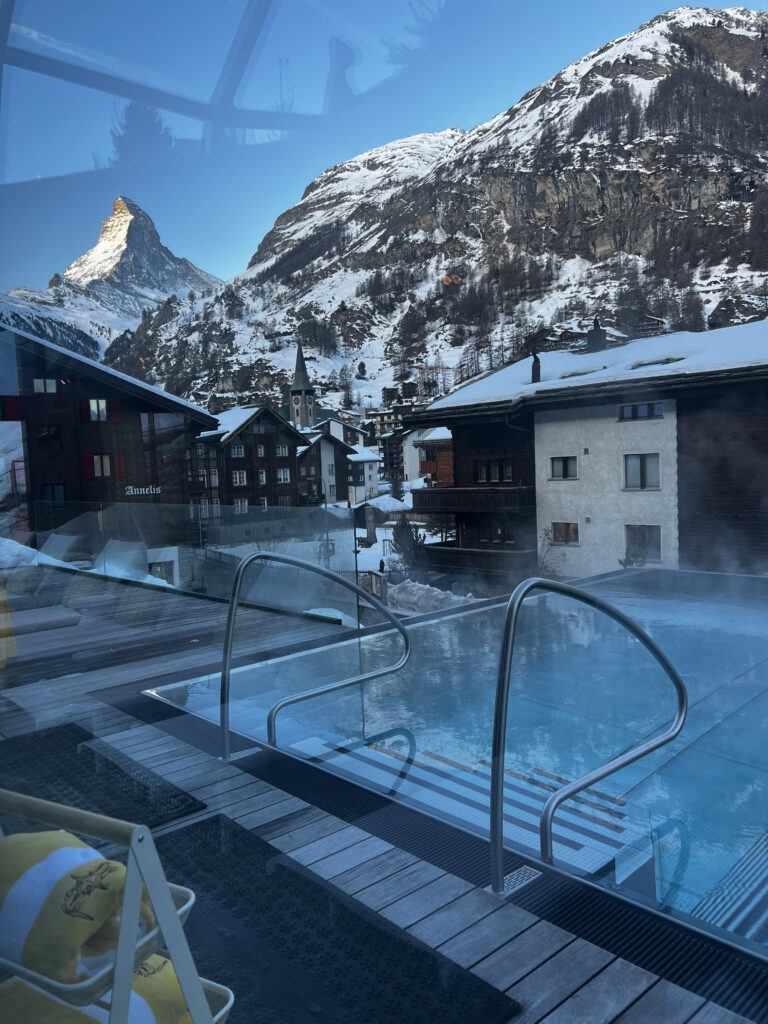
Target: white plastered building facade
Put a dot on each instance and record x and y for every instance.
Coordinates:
(616, 498)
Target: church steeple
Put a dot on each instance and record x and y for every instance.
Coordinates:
(302, 394)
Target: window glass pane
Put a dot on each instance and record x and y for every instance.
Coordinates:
(632, 470)
(651, 470)
(658, 408)
(494, 467)
(480, 469)
(570, 466)
(573, 533)
(123, 46)
(557, 467)
(558, 533)
(625, 412)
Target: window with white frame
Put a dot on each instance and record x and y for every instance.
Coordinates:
(284, 501)
(240, 506)
(331, 469)
(563, 467)
(97, 410)
(199, 449)
(260, 451)
(215, 508)
(237, 451)
(281, 450)
(44, 385)
(239, 478)
(204, 509)
(263, 503)
(102, 465)
(283, 476)
(332, 490)
(641, 472)
(262, 476)
(214, 478)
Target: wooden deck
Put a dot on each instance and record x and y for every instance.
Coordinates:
(555, 976)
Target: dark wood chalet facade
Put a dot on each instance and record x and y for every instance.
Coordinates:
(75, 435)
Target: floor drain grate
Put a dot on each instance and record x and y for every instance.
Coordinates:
(520, 878)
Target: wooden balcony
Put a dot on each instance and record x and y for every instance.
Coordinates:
(449, 500)
(492, 558)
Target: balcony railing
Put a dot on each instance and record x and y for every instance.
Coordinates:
(474, 499)
(490, 559)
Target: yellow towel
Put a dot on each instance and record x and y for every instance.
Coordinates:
(59, 904)
(155, 997)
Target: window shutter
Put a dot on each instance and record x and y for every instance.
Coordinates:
(88, 470)
(114, 410)
(11, 407)
(85, 410)
(119, 464)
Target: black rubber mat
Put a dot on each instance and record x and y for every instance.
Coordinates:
(295, 950)
(68, 765)
(716, 971)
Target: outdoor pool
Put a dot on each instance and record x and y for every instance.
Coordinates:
(684, 829)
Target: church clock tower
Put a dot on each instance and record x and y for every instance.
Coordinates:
(302, 395)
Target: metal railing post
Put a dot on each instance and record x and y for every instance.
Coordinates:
(224, 692)
(500, 722)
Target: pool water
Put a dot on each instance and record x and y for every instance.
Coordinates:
(582, 691)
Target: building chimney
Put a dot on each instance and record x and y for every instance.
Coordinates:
(536, 369)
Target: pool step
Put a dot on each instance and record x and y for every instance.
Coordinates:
(588, 837)
(739, 901)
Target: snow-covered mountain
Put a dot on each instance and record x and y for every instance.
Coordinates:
(104, 292)
(633, 185)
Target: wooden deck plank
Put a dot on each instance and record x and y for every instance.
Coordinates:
(665, 1003)
(271, 830)
(443, 924)
(393, 888)
(304, 834)
(713, 1014)
(427, 900)
(603, 998)
(228, 785)
(480, 940)
(238, 800)
(558, 978)
(211, 771)
(353, 856)
(374, 870)
(527, 951)
(328, 844)
(249, 803)
(271, 811)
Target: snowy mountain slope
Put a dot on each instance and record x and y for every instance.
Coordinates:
(632, 185)
(104, 292)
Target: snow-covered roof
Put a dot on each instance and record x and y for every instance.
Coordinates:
(119, 378)
(362, 454)
(435, 434)
(672, 356)
(386, 503)
(232, 420)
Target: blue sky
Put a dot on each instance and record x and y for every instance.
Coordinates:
(217, 193)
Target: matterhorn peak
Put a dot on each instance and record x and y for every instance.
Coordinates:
(127, 230)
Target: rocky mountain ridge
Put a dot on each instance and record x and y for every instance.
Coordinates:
(105, 291)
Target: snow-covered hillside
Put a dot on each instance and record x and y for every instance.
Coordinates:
(633, 185)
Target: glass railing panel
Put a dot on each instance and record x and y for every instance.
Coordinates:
(98, 585)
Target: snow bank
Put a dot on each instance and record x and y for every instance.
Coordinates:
(420, 597)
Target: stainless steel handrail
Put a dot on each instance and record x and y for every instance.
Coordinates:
(500, 722)
(306, 694)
